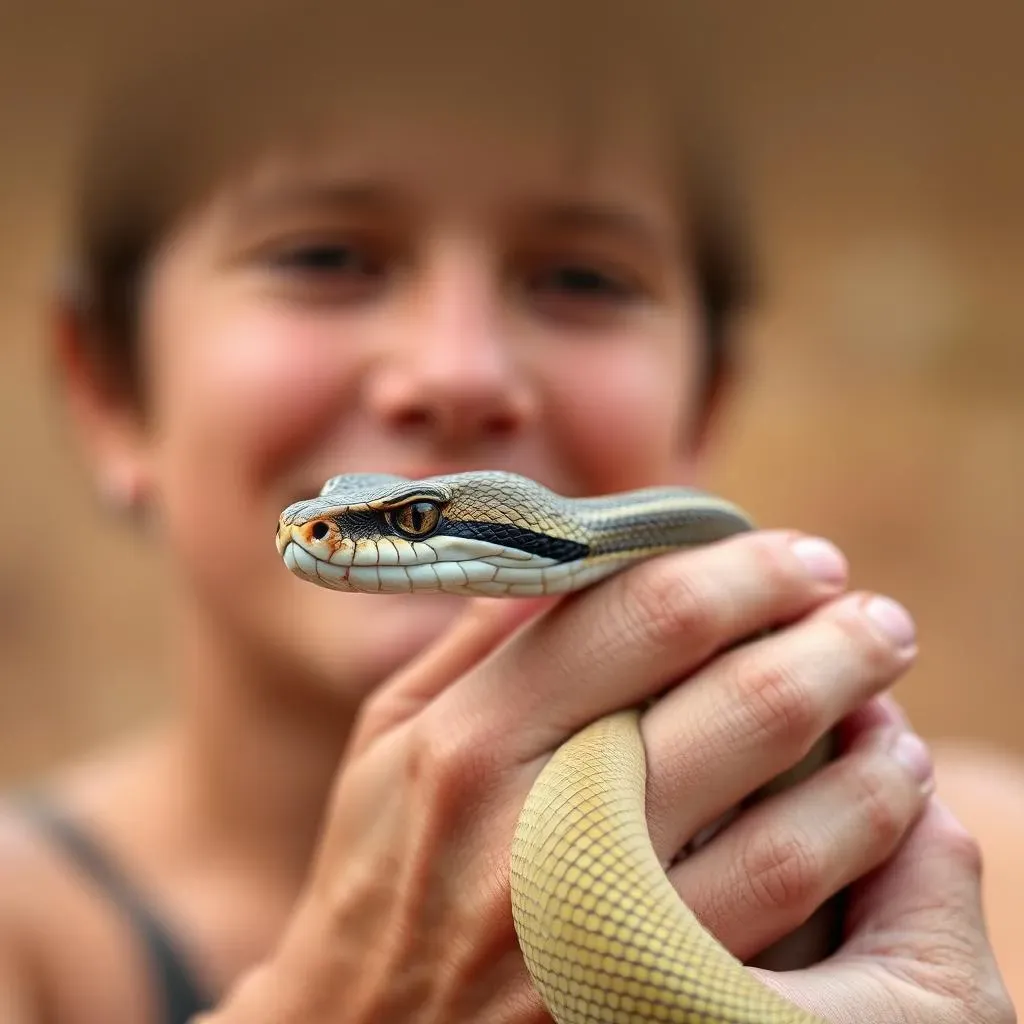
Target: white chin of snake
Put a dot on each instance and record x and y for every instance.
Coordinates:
(473, 569)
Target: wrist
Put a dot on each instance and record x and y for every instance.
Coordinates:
(292, 986)
(260, 996)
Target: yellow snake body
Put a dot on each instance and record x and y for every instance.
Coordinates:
(604, 935)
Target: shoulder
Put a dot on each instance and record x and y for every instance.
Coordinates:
(40, 894)
(984, 787)
(61, 939)
(22, 914)
(23, 868)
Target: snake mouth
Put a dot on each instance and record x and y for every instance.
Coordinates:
(282, 539)
(357, 557)
(473, 577)
(301, 561)
(307, 566)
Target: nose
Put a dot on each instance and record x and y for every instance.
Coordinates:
(453, 375)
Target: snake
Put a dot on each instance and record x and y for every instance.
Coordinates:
(604, 935)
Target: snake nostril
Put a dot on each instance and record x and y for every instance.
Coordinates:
(319, 530)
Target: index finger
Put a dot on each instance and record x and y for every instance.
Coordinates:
(486, 623)
(627, 639)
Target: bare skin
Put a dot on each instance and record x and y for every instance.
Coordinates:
(985, 789)
(484, 302)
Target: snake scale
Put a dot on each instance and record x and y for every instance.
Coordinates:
(605, 936)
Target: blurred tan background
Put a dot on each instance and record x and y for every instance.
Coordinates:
(882, 401)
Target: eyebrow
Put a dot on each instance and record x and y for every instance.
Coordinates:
(271, 200)
(600, 218)
(568, 215)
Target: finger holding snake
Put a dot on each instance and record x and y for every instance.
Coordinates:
(410, 900)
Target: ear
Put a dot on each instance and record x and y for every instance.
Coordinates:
(106, 419)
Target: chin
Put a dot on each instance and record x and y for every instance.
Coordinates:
(380, 635)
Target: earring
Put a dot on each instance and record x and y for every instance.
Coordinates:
(122, 493)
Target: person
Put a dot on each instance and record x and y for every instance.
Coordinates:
(441, 280)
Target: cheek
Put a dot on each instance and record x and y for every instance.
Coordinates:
(242, 388)
(622, 411)
(244, 397)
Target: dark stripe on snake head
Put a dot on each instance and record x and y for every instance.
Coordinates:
(542, 545)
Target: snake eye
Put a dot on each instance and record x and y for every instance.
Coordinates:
(416, 519)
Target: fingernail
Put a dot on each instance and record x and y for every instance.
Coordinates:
(912, 752)
(822, 559)
(893, 620)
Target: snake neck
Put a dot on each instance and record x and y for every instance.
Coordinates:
(657, 520)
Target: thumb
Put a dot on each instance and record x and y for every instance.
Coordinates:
(916, 937)
(485, 624)
(927, 901)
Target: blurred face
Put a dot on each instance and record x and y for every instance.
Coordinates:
(415, 295)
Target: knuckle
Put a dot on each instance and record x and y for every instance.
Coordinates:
(774, 565)
(882, 809)
(777, 702)
(450, 761)
(871, 652)
(666, 604)
(782, 872)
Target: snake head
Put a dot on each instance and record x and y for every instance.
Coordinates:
(481, 533)
(357, 520)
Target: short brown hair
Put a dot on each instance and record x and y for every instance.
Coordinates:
(161, 136)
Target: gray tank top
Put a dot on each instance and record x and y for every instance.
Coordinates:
(179, 995)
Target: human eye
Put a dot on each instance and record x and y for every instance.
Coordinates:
(581, 280)
(326, 258)
(570, 286)
(327, 269)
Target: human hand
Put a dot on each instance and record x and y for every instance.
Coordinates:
(407, 912)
